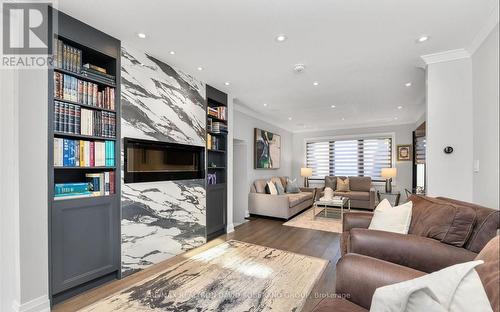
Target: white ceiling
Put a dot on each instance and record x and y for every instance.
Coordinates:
(361, 52)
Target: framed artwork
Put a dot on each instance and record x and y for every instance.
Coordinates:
(267, 147)
(404, 152)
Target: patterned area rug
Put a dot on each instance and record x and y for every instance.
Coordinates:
(233, 276)
(331, 223)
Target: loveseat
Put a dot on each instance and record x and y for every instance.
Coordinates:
(282, 206)
(361, 193)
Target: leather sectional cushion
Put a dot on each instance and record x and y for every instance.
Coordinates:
(489, 271)
(354, 195)
(446, 222)
(298, 198)
(260, 186)
(361, 184)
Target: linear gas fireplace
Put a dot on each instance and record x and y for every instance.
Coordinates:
(148, 161)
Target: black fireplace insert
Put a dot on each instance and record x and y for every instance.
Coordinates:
(148, 161)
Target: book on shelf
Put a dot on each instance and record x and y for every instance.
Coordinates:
(69, 88)
(82, 153)
(217, 112)
(67, 57)
(97, 184)
(216, 126)
(71, 118)
(97, 72)
(213, 142)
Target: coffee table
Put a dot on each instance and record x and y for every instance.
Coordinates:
(335, 204)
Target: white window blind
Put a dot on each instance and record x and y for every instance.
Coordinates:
(361, 157)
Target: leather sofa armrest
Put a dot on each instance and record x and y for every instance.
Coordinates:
(420, 253)
(373, 195)
(359, 276)
(356, 220)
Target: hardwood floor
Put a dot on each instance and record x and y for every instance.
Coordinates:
(265, 232)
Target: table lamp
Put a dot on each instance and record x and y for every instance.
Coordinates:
(388, 174)
(306, 173)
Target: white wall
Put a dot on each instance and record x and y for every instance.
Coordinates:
(486, 130)
(402, 135)
(244, 126)
(449, 123)
(23, 212)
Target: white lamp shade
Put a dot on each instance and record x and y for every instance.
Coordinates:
(306, 172)
(388, 173)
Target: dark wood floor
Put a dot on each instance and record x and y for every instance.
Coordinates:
(266, 232)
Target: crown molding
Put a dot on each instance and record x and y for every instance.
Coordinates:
(247, 111)
(445, 56)
(357, 126)
(490, 23)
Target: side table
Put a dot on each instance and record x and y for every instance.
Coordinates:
(396, 195)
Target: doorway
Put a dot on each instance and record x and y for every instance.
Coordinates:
(240, 181)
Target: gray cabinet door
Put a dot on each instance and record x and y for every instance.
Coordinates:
(216, 209)
(85, 240)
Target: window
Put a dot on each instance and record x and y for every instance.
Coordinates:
(358, 157)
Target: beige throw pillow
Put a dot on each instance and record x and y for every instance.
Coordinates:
(391, 219)
(272, 188)
(342, 185)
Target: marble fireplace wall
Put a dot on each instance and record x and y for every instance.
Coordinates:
(160, 103)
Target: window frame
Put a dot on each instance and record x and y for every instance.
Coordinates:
(391, 135)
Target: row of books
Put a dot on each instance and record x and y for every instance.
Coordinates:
(96, 184)
(216, 126)
(67, 57)
(71, 118)
(214, 143)
(70, 88)
(81, 153)
(96, 72)
(217, 112)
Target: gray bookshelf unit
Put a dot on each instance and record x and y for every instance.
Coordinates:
(84, 233)
(216, 193)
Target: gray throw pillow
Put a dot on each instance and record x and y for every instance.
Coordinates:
(279, 188)
(292, 187)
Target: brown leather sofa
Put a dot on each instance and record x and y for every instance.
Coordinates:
(359, 276)
(362, 193)
(442, 232)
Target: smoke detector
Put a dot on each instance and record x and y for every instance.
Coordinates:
(298, 68)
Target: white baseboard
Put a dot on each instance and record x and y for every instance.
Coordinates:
(40, 304)
(230, 228)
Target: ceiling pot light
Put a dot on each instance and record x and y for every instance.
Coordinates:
(289, 118)
(281, 38)
(333, 106)
(343, 118)
(408, 84)
(315, 83)
(265, 104)
(141, 35)
(422, 38)
(400, 107)
(395, 118)
(298, 68)
(172, 52)
(200, 68)
(227, 83)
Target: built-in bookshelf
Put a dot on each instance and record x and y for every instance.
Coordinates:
(217, 131)
(84, 156)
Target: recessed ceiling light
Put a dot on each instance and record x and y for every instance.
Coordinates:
(141, 35)
(265, 104)
(315, 83)
(227, 83)
(172, 52)
(333, 106)
(423, 38)
(408, 84)
(395, 118)
(400, 107)
(200, 68)
(343, 118)
(281, 38)
(289, 118)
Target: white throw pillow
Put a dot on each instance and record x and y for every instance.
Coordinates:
(272, 188)
(391, 219)
(456, 288)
